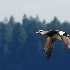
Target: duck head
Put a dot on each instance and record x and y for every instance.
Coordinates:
(41, 32)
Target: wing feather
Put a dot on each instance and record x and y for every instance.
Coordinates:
(49, 45)
(66, 40)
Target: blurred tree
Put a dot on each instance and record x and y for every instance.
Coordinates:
(11, 21)
(5, 20)
(10, 26)
(55, 24)
(66, 26)
(4, 38)
(19, 35)
(44, 24)
(25, 21)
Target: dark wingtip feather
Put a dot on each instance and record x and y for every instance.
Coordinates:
(48, 58)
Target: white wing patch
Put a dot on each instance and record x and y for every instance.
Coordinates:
(61, 32)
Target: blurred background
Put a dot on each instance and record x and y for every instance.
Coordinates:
(20, 47)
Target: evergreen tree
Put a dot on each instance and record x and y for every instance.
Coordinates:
(66, 26)
(55, 24)
(19, 35)
(4, 39)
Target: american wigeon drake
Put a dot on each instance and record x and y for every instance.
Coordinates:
(51, 37)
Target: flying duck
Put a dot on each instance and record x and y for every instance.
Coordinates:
(51, 37)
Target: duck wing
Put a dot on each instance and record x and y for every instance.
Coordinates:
(49, 45)
(66, 40)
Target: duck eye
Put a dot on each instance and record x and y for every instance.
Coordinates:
(41, 31)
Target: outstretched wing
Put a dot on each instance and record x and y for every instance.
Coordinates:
(49, 45)
(66, 40)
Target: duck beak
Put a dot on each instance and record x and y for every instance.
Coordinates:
(37, 32)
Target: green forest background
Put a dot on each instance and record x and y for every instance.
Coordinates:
(22, 49)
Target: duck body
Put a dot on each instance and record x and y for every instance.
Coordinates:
(54, 35)
(50, 37)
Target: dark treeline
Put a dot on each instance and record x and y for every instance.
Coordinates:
(22, 49)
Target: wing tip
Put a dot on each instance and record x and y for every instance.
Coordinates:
(48, 58)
